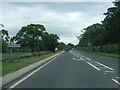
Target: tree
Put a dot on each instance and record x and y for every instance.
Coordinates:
(29, 34)
(50, 41)
(94, 34)
(61, 46)
(4, 35)
(112, 24)
(5, 39)
(70, 45)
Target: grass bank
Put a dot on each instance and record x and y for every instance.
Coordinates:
(16, 54)
(16, 64)
(103, 54)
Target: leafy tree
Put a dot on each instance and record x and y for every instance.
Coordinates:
(5, 39)
(50, 41)
(4, 35)
(70, 45)
(94, 34)
(29, 34)
(112, 24)
(61, 46)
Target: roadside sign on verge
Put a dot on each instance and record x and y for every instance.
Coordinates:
(13, 45)
(88, 44)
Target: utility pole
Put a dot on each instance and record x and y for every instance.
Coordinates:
(39, 38)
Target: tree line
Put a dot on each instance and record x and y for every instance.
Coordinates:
(28, 37)
(106, 33)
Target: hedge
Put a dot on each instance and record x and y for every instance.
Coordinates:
(114, 48)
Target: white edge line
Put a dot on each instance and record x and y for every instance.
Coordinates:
(104, 66)
(93, 66)
(116, 81)
(14, 85)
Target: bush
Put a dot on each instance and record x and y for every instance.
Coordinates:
(114, 48)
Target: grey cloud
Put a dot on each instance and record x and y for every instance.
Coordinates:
(65, 19)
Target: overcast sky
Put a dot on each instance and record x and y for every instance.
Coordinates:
(66, 19)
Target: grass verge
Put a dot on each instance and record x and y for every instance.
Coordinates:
(13, 65)
(103, 54)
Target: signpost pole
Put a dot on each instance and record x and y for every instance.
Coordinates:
(38, 47)
(11, 50)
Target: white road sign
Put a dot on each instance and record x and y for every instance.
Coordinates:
(13, 45)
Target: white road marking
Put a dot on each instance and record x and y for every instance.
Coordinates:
(76, 56)
(110, 71)
(14, 85)
(117, 77)
(116, 81)
(104, 65)
(88, 58)
(93, 66)
(81, 58)
(76, 59)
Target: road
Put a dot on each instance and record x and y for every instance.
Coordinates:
(73, 69)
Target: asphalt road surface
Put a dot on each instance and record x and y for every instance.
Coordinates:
(74, 69)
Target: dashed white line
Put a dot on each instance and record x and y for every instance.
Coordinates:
(81, 58)
(93, 66)
(17, 83)
(88, 58)
(76, 56)
(110, 71)
(104, 65)
(118, 77)
(116, 81)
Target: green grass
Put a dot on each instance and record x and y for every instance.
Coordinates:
(103, 54)
(13, 65)
(13, 55)
(0, 68)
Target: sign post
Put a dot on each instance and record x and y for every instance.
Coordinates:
(39, 38)
(11, 45)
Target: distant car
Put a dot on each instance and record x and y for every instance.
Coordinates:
(66, 49)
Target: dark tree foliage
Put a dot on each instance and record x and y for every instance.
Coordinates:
(61, 46)
(50, 41)
(94, 34)
(112, 24)
(5, 39)
(106, 33)
(29, 34)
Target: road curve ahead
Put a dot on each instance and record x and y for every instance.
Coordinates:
(72, 69)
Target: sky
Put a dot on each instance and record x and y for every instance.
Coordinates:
(66, 19)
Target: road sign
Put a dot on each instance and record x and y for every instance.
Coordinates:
(13, 45)
(88, 44)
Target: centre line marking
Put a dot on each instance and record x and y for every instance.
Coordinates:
(104, 65)
(116, 81)
(93, 66)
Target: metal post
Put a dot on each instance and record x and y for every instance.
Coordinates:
(10, 50)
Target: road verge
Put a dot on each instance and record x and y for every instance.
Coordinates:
(19, 73)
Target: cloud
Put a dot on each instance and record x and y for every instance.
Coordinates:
(63, 19)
